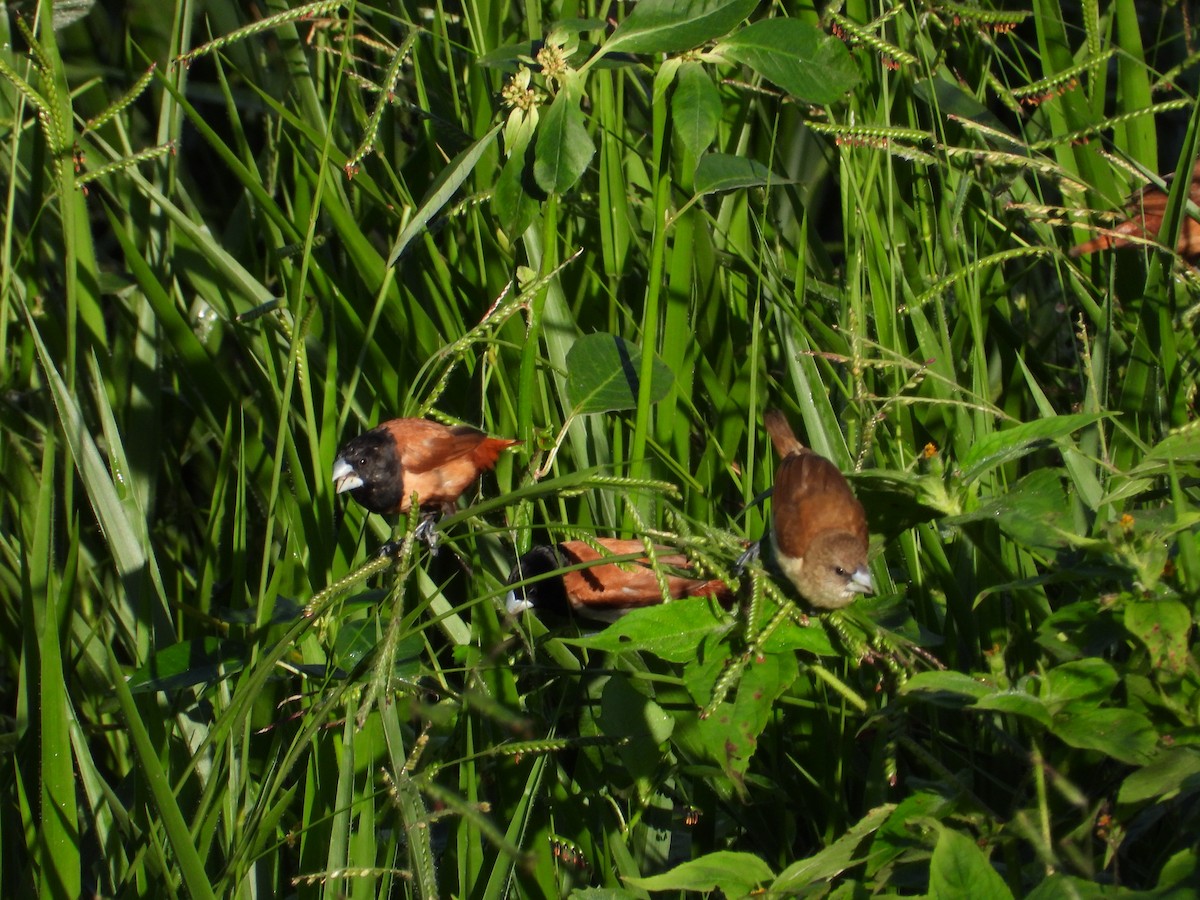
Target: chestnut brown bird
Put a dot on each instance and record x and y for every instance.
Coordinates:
(818, 527)
(1144, 211)
(384, 467)
(604, 591)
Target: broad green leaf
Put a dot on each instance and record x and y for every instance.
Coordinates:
(1080, 630)
(449, 180)
(1057, 887)
(1164, 627)
(511, 199)
(801, 59)
(1123, 734)
(960, 869)
(641, 727)
(515, 208)
(1178, 875)
(731, 732)
(1017, 703)
(1171, 772)
(790, 637)
(1180, 446)
(896, 501)
(602, 375)
(354, 641)
(669, 26)
(626, 712)
(954, 689)
(1011, 443)
(894, 837)
(563, 147)
(830, 862)
(1034, 513)
(672, 631)
(1086, 679)
(721, 172)
(695, 108)
(734, 874)
(599, 893)
(508, 57)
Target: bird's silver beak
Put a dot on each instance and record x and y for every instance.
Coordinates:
(515, 605)
(344, 476)
(861, 582)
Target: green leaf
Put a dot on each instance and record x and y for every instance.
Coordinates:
(511, 200)
(731, 733)
(734, 874)
(602, 375)
(354, 641)
(1034, 513)
(449, 180)
(695, 108)
(1085, 679)
(1123, 734)
(1056, 887)
(830, 862)
(801, 59)
(894, 838)
(1171, 772)
(669, 26)
(721, 172)
(186, 663)
(960, 869)
(641, 726)
(1080, 630)
(563, 148)
(1017, 703)
(672, 631)
(1183, 445)
(953, 689)
(790, 636)
(151, 773)
(625, 712)
(1164, 627)
(1003, 446)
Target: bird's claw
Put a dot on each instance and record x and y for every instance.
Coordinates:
(390, 548)
(748, 556)
(427, 532)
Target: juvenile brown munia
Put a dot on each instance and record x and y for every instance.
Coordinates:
(818, 527)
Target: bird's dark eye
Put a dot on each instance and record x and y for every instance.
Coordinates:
(841, 573)
(363, 461)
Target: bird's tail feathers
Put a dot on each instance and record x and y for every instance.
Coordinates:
(489, 451)
(781, 433)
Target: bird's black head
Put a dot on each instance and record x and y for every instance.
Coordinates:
(369, 468)
(545, 596)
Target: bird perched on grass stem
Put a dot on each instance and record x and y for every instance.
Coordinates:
(818, 527)
(1144, 212)
(603, 591)
(383, 468)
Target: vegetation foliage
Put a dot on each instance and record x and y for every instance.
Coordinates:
(236, 235)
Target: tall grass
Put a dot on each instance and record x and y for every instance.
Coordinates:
(303, 221)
